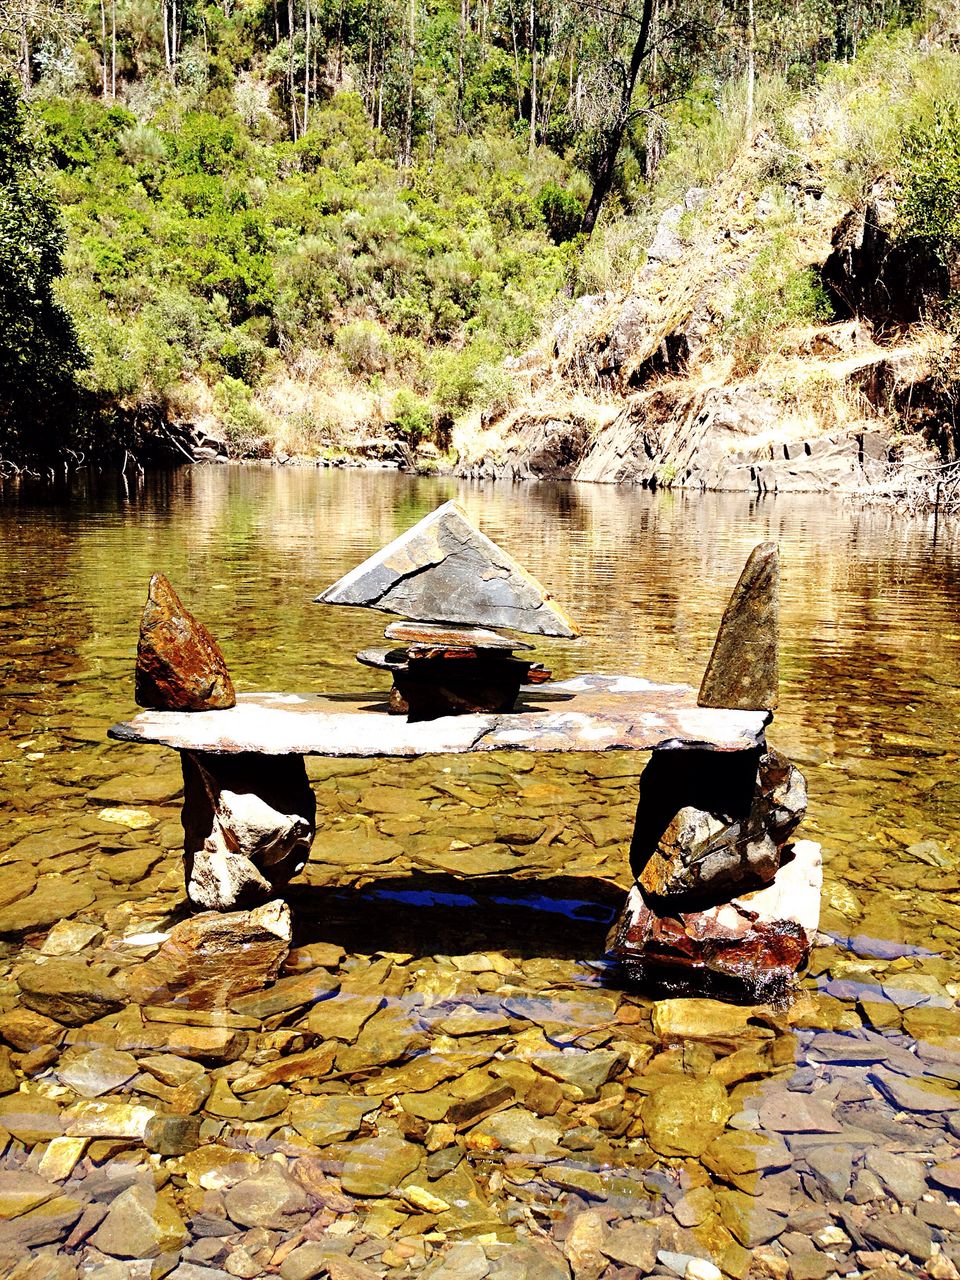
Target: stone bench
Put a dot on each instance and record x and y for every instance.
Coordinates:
(715, 809)
(249, 811)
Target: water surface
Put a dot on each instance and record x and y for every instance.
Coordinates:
(869, 710)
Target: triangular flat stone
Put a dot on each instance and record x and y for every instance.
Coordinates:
(743, 673)
(179, 664)
(445, 570)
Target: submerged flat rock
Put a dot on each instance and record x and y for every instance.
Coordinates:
(445, 570)
(744, 668)
(588, 713)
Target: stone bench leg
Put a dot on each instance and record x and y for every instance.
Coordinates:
(248, 824)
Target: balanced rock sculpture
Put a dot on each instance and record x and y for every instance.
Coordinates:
(724, 902)
(179, 664)
(248, 819)
(454, 586)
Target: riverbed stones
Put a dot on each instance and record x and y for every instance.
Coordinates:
(98, 1072)
(212, 958)
(55, 898)
(683, 1117)
(271, 1198)
(744, 667)
(69, 991)
(140, 1223)
(21, 1191)
(445, 569)
(377, 1166)
(179, 664)
(743, 1159)
(323, 1121)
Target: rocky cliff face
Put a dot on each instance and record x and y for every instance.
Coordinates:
(640, 387)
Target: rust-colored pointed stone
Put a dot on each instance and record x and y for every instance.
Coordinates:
(179, 664)
(743, 673)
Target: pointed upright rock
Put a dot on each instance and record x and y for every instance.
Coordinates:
(179, 664)
(445, 570)
(743, 673)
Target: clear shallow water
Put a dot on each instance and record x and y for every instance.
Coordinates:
(869, 709)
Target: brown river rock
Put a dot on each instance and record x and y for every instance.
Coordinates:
(179, 664)
(212, 958)
(751, 947)
(744, 668)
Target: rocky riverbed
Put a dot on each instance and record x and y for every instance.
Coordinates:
(445, 1076)
(442, 1076)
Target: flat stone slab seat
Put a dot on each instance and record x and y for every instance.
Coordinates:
(588, 713)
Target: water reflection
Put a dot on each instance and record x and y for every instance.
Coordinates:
(453, 919)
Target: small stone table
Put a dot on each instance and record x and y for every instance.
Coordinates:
(249, 811)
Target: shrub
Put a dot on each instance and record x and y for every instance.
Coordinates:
(412, 417)
(562, 212)
(776, 295)
(930, 203)
(364, 347)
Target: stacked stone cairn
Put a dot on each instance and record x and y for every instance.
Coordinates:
(723, 902)
(453, 586)
(248, 819)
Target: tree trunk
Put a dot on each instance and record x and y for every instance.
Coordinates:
(533, 76)
(306, 66)
(166, 34)
(103, 45)
(751, 64)
(461, 65)
(608, 160)
(516, 63)
(291, 83)
(113, 50)
(407, 147)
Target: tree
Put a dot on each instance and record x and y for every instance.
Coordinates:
(39, 351)
(612, 136)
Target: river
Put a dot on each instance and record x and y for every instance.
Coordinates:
(869, 709)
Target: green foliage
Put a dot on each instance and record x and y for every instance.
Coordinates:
(364, 347)
(562, 212)
(39, 352)
(930, 203)
(199, 250)
(412, 417)
(774, 296)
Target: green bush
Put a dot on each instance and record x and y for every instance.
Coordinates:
(364, 347)
(562, 212)
(412, 417)
(930, 200)
(775, 296)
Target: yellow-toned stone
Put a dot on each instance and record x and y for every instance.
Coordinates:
(102, 1118)
(61, 1158)
(683, 1117)
(423, 1199)
(691, 1018)
(135, 819)
(214, 1167)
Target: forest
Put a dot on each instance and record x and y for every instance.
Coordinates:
(290, 217)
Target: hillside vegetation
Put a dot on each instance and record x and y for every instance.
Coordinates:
(307, 227)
